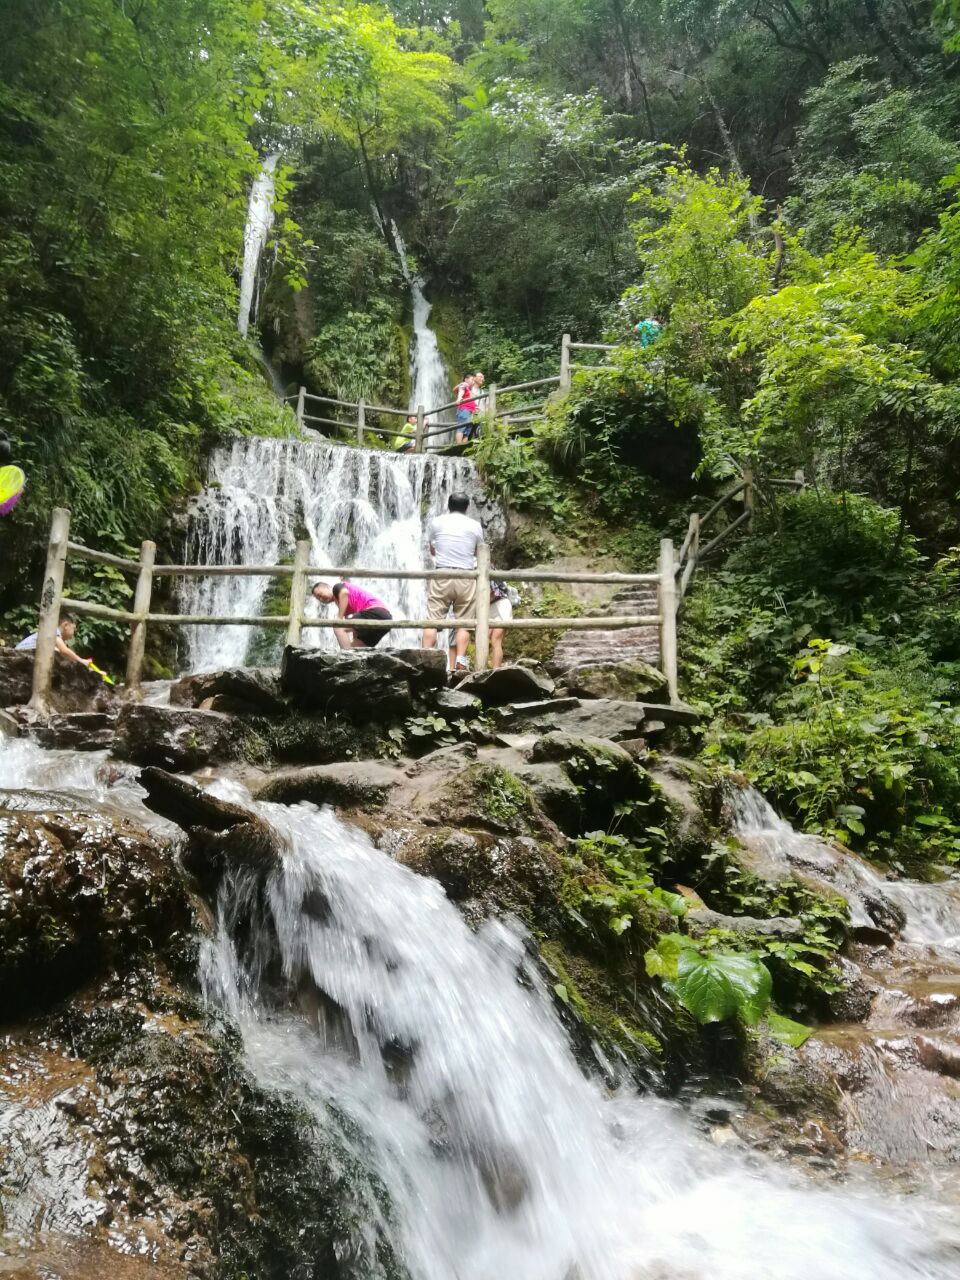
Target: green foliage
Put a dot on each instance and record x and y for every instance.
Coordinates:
(870, 157)
(711, 983)
(542, 203)
(855, 737)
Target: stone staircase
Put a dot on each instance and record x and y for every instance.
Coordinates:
(585, 648)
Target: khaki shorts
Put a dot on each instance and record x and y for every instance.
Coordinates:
(442, 593)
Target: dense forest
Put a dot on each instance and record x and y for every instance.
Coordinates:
(777, 178)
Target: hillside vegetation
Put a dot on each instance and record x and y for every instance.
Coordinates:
(778, 180)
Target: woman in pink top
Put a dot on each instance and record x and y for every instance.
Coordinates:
(353, 602)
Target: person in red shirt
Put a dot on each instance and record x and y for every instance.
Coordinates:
(353, 602)
(465, 392)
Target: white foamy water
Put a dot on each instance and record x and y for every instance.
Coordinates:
(455, 1086)
(359, 507)
(500, 1157)
(430, 383)
(931, 911)
(259, 222)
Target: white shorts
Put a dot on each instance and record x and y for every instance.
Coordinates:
(501, 610)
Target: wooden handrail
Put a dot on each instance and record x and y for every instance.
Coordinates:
(102, 557)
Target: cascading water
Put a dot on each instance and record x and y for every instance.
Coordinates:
(434, 1056)
(357, 506)
(462, 1095)
(893, 1068)
(429, 376)
(259, 222)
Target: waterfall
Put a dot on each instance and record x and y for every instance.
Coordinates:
(438, 1053)
(358, 507)
(429, 376)
(259, 222)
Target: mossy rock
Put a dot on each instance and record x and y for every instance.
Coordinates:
(250, 1181)
(632, 680)
(490, 797)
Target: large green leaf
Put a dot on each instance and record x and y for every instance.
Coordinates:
(787, 1031)
(721, 985)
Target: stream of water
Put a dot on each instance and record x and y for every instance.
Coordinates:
(259, 222)
(442, 1051)
(430, 382)
(357, 506)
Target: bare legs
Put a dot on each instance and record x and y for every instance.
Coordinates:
(346, 639)
(461, 640)
(496, 646)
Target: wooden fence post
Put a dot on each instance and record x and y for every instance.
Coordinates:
(361, 420)
(50, 597)
(481, 640)
(421, 425)
(668, 617)
(748, 495)
(492, 401)
(565, 362)
(799, 477)
(693, 554)
(141, 606)
(301, 406)
(298, 590)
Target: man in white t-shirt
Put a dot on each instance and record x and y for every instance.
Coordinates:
(454, 539)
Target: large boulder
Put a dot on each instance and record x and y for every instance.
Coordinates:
(509, 683)
(631, 679)
(220, 835)
(174, 738)
(362, 685)
(238, 689)
(76, 890)
(80, 731)
(73, 686)
(363, 782)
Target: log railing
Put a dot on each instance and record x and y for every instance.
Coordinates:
(675, 570)
(516, 418)
(146, 570)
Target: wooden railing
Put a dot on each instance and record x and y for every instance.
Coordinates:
(516, 417)
(145, 570)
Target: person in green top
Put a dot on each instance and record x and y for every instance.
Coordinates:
(649, 330)
(404, 441)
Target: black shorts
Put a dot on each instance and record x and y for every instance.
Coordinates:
(370, 636)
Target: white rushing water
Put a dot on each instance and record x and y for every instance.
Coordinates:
(358, 507)
(499, 1156)
(436, 1055)
(259, 222)
(430, 383)
(931, 912)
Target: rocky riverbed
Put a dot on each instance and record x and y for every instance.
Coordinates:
(133, 1133)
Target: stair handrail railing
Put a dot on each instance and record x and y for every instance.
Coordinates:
(145, 570)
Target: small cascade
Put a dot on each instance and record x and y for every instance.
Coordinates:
(357, 506)
(430, 382)
(894, 1069)
(360, 990)
(259, 222)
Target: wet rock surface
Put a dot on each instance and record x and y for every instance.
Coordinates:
(173, 738)
(364, 783)
(77, 731)
(220, 836)
(77, 893)
(240, 690)
(74, 687)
